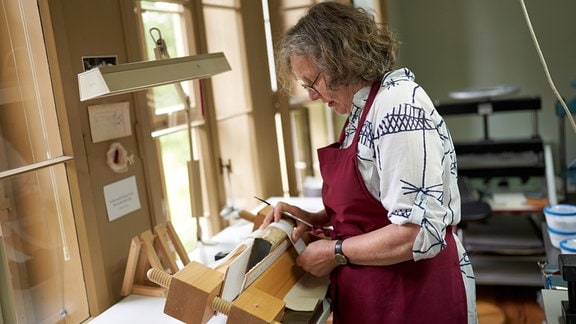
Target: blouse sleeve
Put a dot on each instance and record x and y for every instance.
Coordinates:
(411, 158)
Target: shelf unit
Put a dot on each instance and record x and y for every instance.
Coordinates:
(506, 246)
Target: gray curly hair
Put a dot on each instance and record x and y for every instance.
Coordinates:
(345, 43)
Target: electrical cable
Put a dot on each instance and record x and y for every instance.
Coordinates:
(545, 66)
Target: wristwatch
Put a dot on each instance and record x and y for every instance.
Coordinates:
(339, 255)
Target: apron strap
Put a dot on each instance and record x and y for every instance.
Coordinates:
(367, 106)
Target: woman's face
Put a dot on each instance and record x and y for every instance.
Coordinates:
(312, 79)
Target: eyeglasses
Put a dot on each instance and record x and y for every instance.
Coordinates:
(310, 87)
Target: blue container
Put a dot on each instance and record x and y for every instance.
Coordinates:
(568, 246)
(557, 236)
(561, 217)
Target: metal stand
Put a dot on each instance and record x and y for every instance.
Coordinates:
(567, 265)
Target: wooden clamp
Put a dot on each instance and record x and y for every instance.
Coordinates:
(193, 297)
(197, 292)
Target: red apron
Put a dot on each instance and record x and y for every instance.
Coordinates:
(426, 291)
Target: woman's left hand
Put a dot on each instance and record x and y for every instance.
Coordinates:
(318, 258)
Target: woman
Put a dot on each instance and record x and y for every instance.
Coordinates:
(389, 185)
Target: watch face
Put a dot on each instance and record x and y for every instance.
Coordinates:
(341, 259)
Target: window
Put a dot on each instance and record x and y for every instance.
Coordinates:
(41, 279)
(165, 29)
(223, 128)
(303, 126)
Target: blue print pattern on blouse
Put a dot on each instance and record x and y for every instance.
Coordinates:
(410, 117)
(353, 121)
(412, 114)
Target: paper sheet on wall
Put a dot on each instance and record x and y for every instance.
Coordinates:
(121, 198)
(109, 121)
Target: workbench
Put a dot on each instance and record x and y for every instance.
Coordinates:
(150, 310)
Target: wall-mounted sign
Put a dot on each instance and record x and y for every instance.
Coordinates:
(121, 198)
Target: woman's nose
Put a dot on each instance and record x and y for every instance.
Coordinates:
(313, 95)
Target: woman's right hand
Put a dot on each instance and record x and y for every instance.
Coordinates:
(276, 214)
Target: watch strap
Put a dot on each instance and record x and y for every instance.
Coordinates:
(338, 247)
(339, 256)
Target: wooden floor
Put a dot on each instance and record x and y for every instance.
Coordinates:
(517, 304)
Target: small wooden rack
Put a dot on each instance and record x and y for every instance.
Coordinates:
(152, 249)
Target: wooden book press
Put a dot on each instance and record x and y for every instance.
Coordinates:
(249, 285)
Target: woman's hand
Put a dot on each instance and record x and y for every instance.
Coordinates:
(318, 258)
(276, 214)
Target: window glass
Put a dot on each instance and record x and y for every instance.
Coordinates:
(166, 21)
(39, 242)
(28, 127)
(41, 278)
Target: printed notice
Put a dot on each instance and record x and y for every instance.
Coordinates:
(109, 121)
(121, 198)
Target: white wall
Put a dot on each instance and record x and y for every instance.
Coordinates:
(457, 44)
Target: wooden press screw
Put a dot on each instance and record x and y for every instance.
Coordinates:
(163, 279)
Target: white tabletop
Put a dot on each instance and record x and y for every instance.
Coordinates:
(136, 309)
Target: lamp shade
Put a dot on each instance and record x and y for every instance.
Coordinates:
(123, 78)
